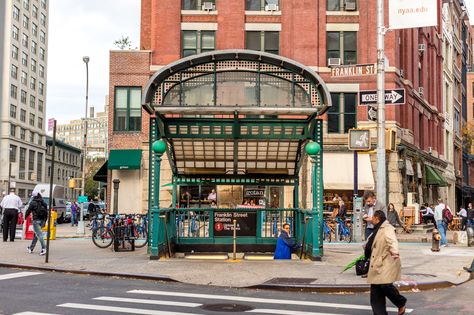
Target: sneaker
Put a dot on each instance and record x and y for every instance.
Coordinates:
(30, 251)
(444, 245)
(43, 252)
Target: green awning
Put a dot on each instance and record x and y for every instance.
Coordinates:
(433, 177)
(125, 159)
(101, 175)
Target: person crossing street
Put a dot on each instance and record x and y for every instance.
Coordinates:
(39, 210)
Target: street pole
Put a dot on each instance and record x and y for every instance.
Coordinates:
(50, 206)
(81, 226)
(9, 171)
(381, 164)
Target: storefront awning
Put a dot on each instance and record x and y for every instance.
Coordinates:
(410, 171)
(125, 159)
(338, 171)
(433, 177)
(101, 175)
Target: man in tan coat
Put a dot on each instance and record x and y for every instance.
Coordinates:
(385, 266)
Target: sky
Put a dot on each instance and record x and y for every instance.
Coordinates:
(89, 28)
(84, 28)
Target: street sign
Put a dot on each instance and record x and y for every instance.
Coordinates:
(359, 139)
(353, 70)
(50, 124)
(82, 199)
(372, 113)
(392, 97)
(246, 223)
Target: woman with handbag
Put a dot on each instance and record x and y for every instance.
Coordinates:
(384, 266)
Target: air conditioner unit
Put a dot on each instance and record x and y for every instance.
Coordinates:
(208, 6)
(350, 5)
(421, 90)
(334, 62)
(402, 73)
(421, 47)
(271, 7)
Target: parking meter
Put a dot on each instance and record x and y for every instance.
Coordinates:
(357, 221)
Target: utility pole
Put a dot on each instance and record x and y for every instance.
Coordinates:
(381, 157)
(81, 225)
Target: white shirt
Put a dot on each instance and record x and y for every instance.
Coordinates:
(462, 213)
(12, 201)
(428, 211)
(438, 211)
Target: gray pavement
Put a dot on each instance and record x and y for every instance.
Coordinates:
(419, 265)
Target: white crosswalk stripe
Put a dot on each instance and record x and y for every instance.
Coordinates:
(143, 301)
(262, 300)
(33, 313)
(19, 275)
(116, 309)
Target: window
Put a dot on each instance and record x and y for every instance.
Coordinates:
(41, 70)
(195, 42)
(12, 130)
(33, 65)
(456, 121)
(259, 5)
(34, 11)
(14, 72)
(13, 91)
(34, 29)
(22, 115)
(13, 153)
(40, 123)
(32, 101)
(195, 4)
(15, 52)
(340, 5)
(32, 83)
(12, 111)
(22, 133)
(16, 13)
(39, 167)
(24, 59)
(40, 105)
(26, 21)
(40, 139)
(128, 112)
(24, 78)
(32, 119)
(342, 113)
(26, 4)
(24, 40)
(23, 96)
(43, 19)
(263, 41)
(15, 32)
(42, 37)
(41, 88)
(32, 137)
(42, 53)
(34, 47)
(43, 4)
(21, 174)
(342, 45)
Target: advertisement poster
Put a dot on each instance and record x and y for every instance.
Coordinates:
(412, 13)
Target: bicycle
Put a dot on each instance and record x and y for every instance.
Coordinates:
(102, 234)
(345, 229)
(140, 230)
(328, 230)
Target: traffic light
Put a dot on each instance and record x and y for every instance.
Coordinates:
(72, 183)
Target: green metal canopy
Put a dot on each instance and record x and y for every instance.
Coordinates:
(125, 159)
(433, 177)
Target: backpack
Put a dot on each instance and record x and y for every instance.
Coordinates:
(447, 216)
(41, 209)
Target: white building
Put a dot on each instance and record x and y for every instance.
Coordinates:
(23, 65)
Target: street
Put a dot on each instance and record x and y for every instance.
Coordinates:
(31, 292)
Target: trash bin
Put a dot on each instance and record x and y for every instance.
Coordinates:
(52, 236)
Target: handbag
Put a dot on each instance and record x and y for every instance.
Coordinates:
(362, 266)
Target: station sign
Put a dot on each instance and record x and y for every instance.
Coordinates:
(224, 223)
(392, 97)
(353, 70)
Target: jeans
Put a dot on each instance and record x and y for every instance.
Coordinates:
(442, 231)
(73, 218)
(378, 293)
(37, 225)
(10, 218)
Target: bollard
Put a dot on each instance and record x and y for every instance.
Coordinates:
(435, 240)
(234, 254)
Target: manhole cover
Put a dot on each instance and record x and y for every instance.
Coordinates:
(227, 307)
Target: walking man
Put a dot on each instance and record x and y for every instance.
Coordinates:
(385, 266)
(39, 209)
(11, 206)
(440, 223)
(470, 215)
(371, 205)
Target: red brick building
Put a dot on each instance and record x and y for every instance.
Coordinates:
(310, 32)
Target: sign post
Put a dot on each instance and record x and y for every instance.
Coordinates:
(51, 126)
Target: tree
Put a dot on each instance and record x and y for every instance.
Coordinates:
(123, 43)
(91, 187)
(468, 137)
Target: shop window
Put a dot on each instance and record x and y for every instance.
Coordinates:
(196, 42)
(341, 5)
(262, 5)
(342, 46)
(128, 111)
(195, 197)
(342, 114)
(198, 5)
(263, 41)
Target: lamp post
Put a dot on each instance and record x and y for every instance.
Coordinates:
(9, 170)
(159, 148)
(81, 225)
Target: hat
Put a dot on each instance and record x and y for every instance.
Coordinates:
(34, 193)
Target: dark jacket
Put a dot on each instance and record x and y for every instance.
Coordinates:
(34, 208)
(284, 246)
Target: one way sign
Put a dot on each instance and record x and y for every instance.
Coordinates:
(392, 97)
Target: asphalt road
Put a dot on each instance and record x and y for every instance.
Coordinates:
(29, 292)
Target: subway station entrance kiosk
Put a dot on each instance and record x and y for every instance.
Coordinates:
(236, 126)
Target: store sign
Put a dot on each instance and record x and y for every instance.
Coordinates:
(254, 192)
(224, 223)
(353, 70)
(412, 13)
(359, 139)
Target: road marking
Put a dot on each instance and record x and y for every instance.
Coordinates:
(34, 313)
(116, 309)
(286, 312)
(19, 275)
(143, 301)
(261, 300)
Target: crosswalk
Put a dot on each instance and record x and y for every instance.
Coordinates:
(16, 275)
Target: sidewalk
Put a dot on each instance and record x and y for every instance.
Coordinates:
(421, 268)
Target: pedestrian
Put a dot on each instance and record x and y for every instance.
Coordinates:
(39, 211)
(427, 214)
(285, 245)
(385, 266)
(11, 206)
(371, 205)
(440, 223)
(470, 215)
(394, 219)
(463, 216)
(74, 213)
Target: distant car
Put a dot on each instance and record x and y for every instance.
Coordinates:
(98, 206)
(67, 216)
